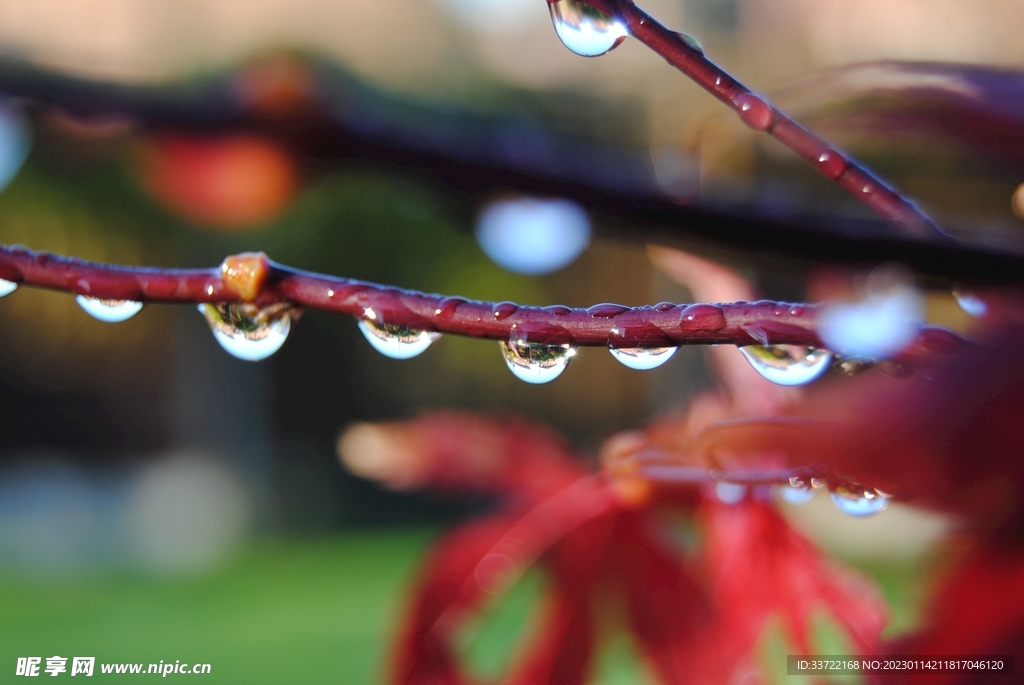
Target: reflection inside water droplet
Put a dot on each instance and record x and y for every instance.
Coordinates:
(643, 359)
(799, 491)
(7, 287)
(787, 364)
(859, 500)
(534, 362)
(247, 331)
(111, 311)
(397, 342)
(584, 29)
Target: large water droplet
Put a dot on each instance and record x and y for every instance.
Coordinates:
(111, 311)
(643, 359)
(535, 362)
(787, 364)
(245, 330)
(7, 287)
(397, 342)
(799, 491)
(584, 29)
(859, 500)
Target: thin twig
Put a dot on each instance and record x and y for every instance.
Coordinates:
(759, 114)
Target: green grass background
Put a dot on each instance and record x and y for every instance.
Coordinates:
(314, 611)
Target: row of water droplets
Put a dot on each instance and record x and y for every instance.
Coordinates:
(851, 498)
(246, 331)
(252, 333)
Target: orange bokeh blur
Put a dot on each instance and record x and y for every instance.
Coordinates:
(230, 182)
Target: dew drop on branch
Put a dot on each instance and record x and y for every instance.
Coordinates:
(787, 364)
(973, 305)
(536, 362)
(7, 287)
(859, 500)
(799, 491)
(248, 331)
(584, 29)
(641, 358)
(397, 342)
(111, 311)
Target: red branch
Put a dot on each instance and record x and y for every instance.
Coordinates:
(756, 112)
(665, 324)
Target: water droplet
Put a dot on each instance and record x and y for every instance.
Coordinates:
(446, 307)
(7, 287)
(247, 331)
(787, 364)
(971, 304)
(111, 311)
(706, 317)
(536, 362)
(859, 500)
(755, 112)
(643, 359)
(397, 342)
(584, 29)
(606, 310)
(832, 164)
(799, 491)
(730, 493)
(692, 42)
(503, 310)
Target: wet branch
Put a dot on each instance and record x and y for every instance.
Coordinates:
(757, 113)
(251, 277)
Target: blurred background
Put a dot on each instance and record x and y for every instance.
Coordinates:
(160, 499)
